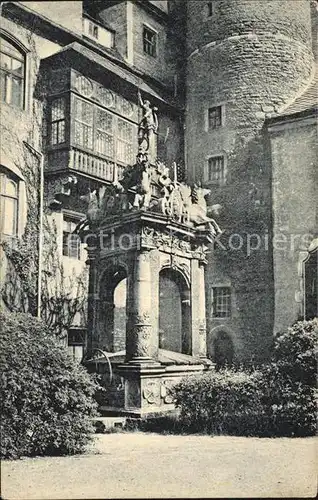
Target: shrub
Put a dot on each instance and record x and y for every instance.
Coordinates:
(278, 399)
(290, 405)
(295, 352)
(222, 402)
(47, 398)
(289, 381)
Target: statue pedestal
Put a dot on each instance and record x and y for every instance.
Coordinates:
(142, 386)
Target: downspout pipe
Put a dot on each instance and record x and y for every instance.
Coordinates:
(40, 158)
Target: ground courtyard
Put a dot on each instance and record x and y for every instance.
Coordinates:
(144, 465)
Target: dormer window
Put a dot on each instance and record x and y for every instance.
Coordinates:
(98, 33)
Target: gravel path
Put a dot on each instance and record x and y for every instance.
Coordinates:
(139, 465)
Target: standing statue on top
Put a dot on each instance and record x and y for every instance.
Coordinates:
(148, 125)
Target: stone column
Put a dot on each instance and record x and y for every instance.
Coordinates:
(195, 308)
(202, 312)
(92, 299)
(186, 321)
(139, 343)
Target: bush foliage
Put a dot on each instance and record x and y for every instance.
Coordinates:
(278, 399)
(221, 402)
(47, 398)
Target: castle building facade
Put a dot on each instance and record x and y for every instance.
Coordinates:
(234, 82)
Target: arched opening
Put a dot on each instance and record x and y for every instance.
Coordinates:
(112, 310)
(120, 298)
(223, 349)
(174, 312)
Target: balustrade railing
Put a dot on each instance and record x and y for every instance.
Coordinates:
(92, 165)
(85, 162)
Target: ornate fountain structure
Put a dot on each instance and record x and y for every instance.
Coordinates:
(137, 228)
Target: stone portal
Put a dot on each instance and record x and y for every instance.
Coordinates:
(151, 232)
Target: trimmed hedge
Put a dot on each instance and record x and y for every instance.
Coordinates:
(47, 398)
(222, 402)
(278, 399)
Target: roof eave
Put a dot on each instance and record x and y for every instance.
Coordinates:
(289, 117)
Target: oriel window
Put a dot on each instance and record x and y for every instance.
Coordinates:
(84, 117)
(124, 141)
(104, 139)
(58, 121)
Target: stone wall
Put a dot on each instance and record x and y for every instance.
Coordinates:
(18, 128)
(116, 17)
(293, 147)
(153, 66)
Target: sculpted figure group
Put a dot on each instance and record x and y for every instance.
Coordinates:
(178, 201)
(145, 186)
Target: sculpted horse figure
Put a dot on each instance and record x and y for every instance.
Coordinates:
(101, 202)
(199, 212)
(114, 199)
(93, 214)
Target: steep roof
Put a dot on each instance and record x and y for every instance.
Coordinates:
(306, 101)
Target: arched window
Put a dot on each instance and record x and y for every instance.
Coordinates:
(12, 73)
(9, 194)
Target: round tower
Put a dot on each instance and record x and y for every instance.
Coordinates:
(246, 59)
